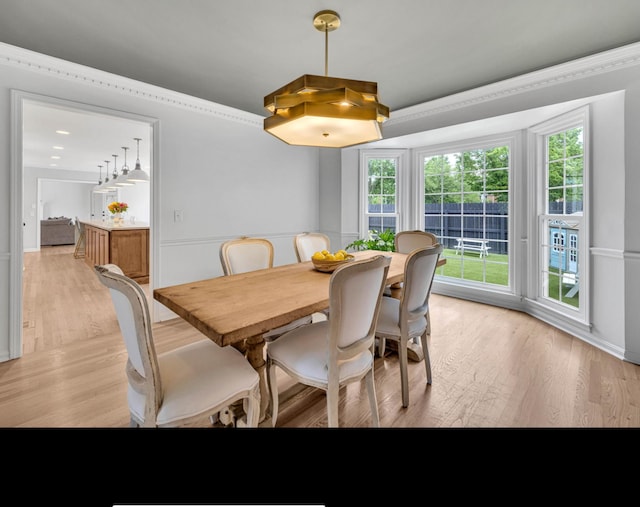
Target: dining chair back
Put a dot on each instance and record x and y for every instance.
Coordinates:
(405, 318)
(407, 241)
(307, 243)
(332, 353)
(246, 254)
(185, 384)
(250, 254)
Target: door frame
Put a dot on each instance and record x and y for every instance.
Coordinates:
(18, 98)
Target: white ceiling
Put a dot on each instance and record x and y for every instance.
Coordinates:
(235, 52)
(92, 139)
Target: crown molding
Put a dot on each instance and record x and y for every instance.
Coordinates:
(589, 66)
(600, 63)
(25, 59)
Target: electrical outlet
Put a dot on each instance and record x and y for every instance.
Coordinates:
(177, 215)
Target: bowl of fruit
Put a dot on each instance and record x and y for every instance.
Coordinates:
(327, 262)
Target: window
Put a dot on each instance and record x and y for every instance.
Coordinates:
(466, 205)
(380, 174)
(562, 233)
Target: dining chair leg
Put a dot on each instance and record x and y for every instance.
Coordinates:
(404, 380)
(427, 360)
(332, 406)
(373, 401)
(253, 408)
(382, 345)
(273, 392)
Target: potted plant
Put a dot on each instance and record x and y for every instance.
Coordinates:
(375, 241)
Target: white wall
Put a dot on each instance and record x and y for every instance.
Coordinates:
(214, 163)
(69, 194)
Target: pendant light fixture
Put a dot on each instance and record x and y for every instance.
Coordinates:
(107, 185)
(325, 111)
(111, 185)
(99, 189)
(123, 179)
(138, 175)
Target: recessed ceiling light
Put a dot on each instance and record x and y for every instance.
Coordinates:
(55, 157)
(63, 132)
(58, 147)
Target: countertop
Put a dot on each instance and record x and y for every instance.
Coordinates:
(107, 225)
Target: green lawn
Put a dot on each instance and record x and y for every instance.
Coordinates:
(494, 269)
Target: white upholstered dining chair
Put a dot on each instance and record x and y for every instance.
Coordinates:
(332, 353)
(405, 318)
(405, 242)
(246, 254)
(307, 243)
(185, 384)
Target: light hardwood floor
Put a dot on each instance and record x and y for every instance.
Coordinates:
(492, 367)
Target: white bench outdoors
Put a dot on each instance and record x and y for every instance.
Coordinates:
(473, 244)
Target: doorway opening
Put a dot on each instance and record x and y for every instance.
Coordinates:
(59, 140)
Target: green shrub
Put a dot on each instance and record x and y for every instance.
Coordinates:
(376, 241)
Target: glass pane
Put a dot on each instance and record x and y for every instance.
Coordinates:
(574, 200)
(556, 174)
(497, 180)
(432, 199)
(497, 158)
(374, 169)
(432, 184)
(375, 206)
(433, 166)
(574, 142)
(375, 185)
(556, 146)
(473, 181)
(574, 168)
(473, 160)
(556, 201)
(388, 223)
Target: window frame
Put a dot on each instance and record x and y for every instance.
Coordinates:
(540, 215)
(512, 141)
(403, 199)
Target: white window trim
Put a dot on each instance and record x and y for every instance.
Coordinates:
(537, 134)
(512, 140)
(403, 198)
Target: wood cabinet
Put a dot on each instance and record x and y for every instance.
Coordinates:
(127, 247)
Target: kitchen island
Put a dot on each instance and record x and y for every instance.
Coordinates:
(126, 245)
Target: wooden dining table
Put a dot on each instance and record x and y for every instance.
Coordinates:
(237, 309)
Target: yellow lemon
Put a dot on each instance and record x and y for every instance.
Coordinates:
(319, 256)
(325, 252)
(339, 256)
(329, 257)
(343, 252)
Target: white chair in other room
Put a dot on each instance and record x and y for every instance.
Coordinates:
(250, 254)
(405, 318)
(334, 352)
(79, 251)
(307, 243)
(183, 385)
